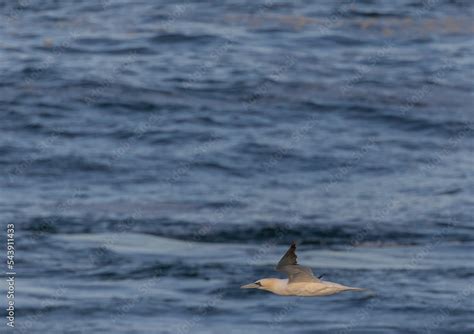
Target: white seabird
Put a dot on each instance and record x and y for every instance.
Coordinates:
(300, 282)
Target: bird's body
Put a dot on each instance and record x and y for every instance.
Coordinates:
(300, 282)
(305, 289)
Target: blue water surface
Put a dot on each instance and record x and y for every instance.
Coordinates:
(156, 155)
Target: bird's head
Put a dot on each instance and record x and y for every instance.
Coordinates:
(262, 284)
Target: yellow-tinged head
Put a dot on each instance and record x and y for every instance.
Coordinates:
(269, 284)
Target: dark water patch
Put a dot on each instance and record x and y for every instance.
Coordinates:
(103, 257)
(173, 268)
(182, 38)
(53, 224)
(334, 40)
(42, 226)
(453, 191)
(223, 205)
(117, 50)
(135, 106)
(98, 40)
(34, 311)
(282, 233)
(207, 310)
(374, 14)
(321, 235)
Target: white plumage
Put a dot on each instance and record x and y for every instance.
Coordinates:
(300, 282)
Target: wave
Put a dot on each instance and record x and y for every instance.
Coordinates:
(281, 233)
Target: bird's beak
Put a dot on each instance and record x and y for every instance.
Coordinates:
(250, 286)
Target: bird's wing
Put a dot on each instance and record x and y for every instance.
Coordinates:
(289, 265)
(289, 258)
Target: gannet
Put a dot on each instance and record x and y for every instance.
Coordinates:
(300, 282)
